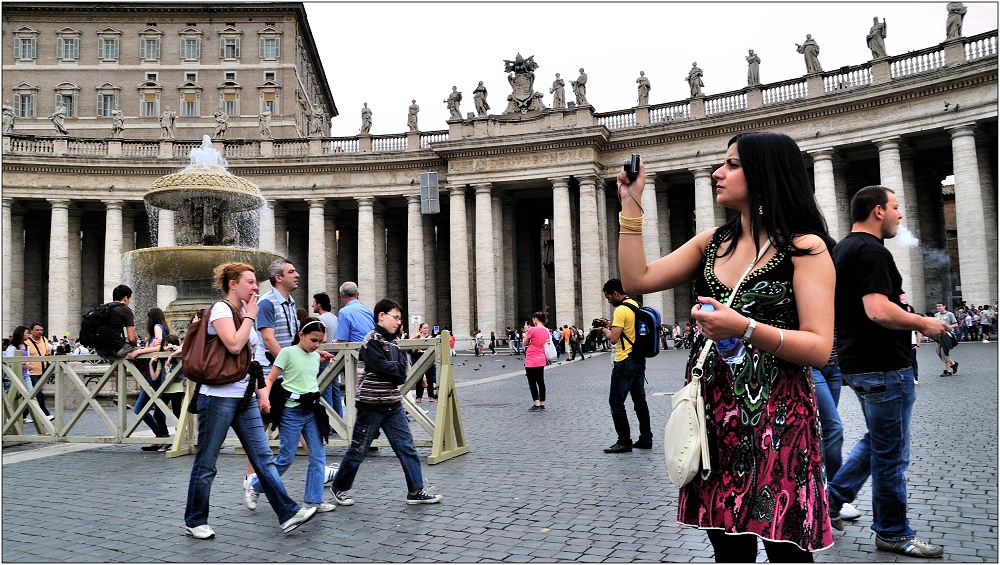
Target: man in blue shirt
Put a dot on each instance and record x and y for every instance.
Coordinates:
(354, 321)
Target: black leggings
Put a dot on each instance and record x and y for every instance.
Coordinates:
(536, 382)
(742, 548)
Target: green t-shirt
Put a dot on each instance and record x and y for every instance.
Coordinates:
(298, 371)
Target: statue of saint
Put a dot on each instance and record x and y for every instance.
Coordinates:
(956, 13)
(580, 88)
(558, 92)
(264, 121)
(8, 117)
(479, 97)
(57, 119)
(167, 124)
(411, 117)
(643, 89)
(453, 100)
(694, 80)
(753, 69)
(366, 120)
(810, 49)
(876, 38)
(221, 124)
(316, 121)
(117, 123)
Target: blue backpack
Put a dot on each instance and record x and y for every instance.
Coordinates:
(647, 331)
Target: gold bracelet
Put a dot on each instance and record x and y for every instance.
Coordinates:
(627, 232)
(781, 341)
(630, 224)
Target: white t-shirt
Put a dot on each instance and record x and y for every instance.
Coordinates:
(330, 321)
(232, 390)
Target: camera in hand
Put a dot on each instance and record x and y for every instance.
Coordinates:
(632, 167)
(599, 323)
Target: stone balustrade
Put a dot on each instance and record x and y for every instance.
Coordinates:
(895, 67)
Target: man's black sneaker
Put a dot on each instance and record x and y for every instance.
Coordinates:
(423, 497)
(912, 547)
(836, 521)
(643, 444)
(954, 369)
(618, 448)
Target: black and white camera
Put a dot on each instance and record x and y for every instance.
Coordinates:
(632, 167)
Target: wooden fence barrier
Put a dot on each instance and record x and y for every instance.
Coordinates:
(78, 390)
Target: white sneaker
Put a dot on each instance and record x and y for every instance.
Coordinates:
(330, 473)
(28, 420)
(203, 531)
(849, 512)
(301, 517)
(250, 496)
(322, 506)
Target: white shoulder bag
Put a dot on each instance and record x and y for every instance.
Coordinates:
(685, 438)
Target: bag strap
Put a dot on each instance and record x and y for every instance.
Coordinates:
(698, 370)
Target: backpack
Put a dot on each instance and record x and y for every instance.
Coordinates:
(95, 331)
(647, 321)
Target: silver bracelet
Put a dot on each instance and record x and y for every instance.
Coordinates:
(781, 341)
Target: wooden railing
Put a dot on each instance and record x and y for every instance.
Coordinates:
(75, 395)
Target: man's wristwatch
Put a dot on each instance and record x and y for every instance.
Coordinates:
(750, 328)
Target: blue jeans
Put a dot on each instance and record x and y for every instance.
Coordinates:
(629, 377)
(215, 416)
(332, 394)
(827, 381)
(883, 452)
(397, 431)
(294, 422)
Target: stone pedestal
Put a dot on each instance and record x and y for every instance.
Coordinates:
(814, 85)
(166, 148)
(114, 147)
(697, 107)
(642, 115)
(954, 54)
(316, 146)
(266, 148)
(881, 72)
(412, 140)
(755, 98)
(60, 146)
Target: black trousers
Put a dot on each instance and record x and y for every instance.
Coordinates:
(742, 548)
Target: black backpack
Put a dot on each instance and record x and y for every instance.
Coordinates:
(647, 339)
(95, 331)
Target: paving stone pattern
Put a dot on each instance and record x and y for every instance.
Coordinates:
(535, 486)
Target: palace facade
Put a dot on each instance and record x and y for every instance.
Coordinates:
(528, 206)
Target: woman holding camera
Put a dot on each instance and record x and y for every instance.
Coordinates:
(767, 476)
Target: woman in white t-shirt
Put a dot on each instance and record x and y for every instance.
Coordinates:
(235, 406)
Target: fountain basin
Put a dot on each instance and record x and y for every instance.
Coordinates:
(204, 181)
(170, 265)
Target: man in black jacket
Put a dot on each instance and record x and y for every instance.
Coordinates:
(382, 368)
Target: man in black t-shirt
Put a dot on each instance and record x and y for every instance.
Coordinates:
(873, 342)
(121, 322)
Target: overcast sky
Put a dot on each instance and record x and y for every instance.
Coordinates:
(387, 54)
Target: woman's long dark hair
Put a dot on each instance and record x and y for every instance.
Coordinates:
(153, 317)
(17, 338)
(777, 184)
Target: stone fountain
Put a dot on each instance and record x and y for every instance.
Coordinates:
(215, 222)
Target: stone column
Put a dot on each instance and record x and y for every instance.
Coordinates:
(496, 206)
(591, 282)
(562, 248)
(59, 283)
(508, 237)
(128, 233)
(8, 260)
(331, 256)
(651, 235)
(317, 247)
(366, 247)
(380, 253)
(16, 278)
(917, 296)
(666, 246)
(280, 228)
(704, 200)
(972, 249)
(74, 307)
(601, 195)
(461, 310)
(891, 174)
(266, 221)
(826, 189)
(165, 237)
(486, 275)
(984, 148)
(432, 315)
(112, 247)
(415, 264)
(843, 217)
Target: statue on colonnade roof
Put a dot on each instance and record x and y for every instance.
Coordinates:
(521, 76)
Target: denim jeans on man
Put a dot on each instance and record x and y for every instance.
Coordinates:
(155, 418)
(882, 453)
(827, 381)
(397, 431)
(332, 394)
(216, 415)
(296, 421)
(628, 377)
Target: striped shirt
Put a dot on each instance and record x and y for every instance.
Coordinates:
(376, 392)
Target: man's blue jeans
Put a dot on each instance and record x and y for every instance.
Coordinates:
(883, 452)
(215, 416)
(332, 394)
(296, 421)
(397, 431)
(827, 381)
(629, 377)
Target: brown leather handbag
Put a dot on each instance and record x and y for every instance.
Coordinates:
(206, 360)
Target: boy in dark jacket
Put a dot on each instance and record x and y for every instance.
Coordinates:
(381, 369)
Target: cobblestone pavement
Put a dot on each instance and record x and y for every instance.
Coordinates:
(535, 486)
